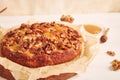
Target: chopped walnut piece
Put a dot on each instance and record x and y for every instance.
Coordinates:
(28, 31)
(111, 53)
(67, 18)
(115, 65)
(25, 45)
(23, 26)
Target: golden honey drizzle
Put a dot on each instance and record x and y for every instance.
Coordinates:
(93, 29)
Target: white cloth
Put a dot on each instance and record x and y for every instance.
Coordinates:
(47, 7)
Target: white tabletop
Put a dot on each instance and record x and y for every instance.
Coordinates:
(99, 67)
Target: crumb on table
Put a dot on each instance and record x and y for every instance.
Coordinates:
(111, 53)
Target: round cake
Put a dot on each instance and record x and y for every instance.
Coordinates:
(41, 44)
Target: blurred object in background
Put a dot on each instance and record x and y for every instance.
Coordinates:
(2, 10)
(47, 7)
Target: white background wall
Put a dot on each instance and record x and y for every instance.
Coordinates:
(45, 7)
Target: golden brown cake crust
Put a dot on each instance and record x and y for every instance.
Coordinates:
(41, 44)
